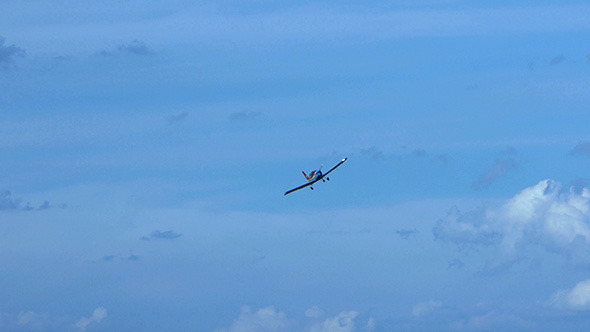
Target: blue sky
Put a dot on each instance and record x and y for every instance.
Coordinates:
(147, 146)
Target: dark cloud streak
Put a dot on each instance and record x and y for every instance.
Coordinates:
(157, 235)
(501, 168)
(9, 52)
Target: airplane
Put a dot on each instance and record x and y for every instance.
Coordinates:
(316, 176)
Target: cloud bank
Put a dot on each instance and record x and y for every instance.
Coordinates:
(541, 215)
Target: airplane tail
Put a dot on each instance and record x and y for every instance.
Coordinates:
(307, 177)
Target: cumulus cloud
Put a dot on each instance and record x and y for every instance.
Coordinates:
(343, 322)
(98, 315)
(159, 235)
(9, 52)
(581, 149)
(542, 215)
(577, 298)
(263, 320)
(501, 168)
(426, 308)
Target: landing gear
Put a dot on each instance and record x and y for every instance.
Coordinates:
(328, 179)
(323, 180)
(311, 188)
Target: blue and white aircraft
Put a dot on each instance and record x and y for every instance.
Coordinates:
(316, 176)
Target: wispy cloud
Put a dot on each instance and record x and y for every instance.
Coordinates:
(314, 312)
(135, 47)
(372, 153)
(159, 235)
(406, 233)
(426, 308)
(176, 118)
(98, 315)
(456, 263)
(577, 298)
(581, 149)
(557, 60)
(501, 168)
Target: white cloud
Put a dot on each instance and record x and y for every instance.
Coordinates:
(576, 298)
(541, 214)
(425, 308)
(270, 320)
(263, 320)
(343, 322)
(98, 315)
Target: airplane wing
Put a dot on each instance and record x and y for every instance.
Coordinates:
(303, 186)
(316, 180)
(333, 168)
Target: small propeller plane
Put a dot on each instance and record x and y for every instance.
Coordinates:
(316, 176)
